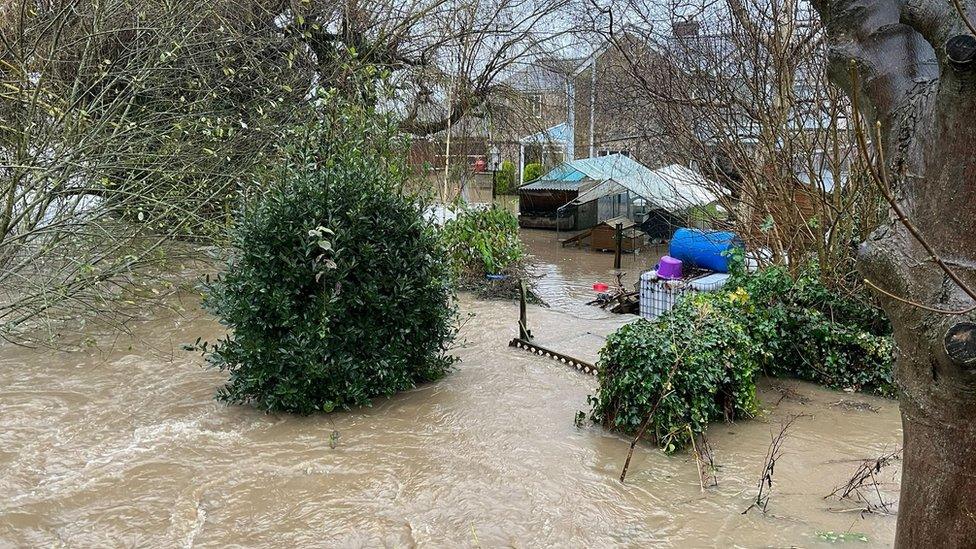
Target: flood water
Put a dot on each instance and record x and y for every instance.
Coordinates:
(123, 446)
(565, 275)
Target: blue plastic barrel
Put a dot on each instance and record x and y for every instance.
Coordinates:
(704, 249)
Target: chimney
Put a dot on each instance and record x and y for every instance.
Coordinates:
(685, 29)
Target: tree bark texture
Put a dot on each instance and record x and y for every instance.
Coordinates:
(911, 65)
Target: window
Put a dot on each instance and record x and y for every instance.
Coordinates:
(608, 152)
(535, 104)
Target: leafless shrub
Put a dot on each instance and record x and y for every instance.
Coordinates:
(863, 486)
(704, 459)
(775, 451)
(738, 89)
(127, 125)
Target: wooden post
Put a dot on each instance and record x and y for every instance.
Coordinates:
(524, 333)
(619, 248)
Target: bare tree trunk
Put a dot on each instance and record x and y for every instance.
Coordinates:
(910, 67)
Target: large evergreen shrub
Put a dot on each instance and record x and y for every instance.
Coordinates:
(809, 332)
(338, 290)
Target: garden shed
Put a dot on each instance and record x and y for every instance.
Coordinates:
(540, 200)
(604, 235)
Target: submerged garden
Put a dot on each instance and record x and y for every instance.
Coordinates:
(262, 264)
(335, 244)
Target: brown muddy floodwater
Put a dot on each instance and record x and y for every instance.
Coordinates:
(124, 446)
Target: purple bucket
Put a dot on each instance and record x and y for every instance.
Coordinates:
(669, 268)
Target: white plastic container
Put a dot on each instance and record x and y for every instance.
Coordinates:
(658, 296)
(709, 283)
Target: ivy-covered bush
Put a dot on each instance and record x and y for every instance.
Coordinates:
(505, 178)
(533, 171)
(481, 242)
(693, 366)
(809, 332)
(337, 290)
(717, 343)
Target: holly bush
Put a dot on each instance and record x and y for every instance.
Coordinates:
(337, 290)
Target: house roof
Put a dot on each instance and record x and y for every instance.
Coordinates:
(543, 75)
(592, 58)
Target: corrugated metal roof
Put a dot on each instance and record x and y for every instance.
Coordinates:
(555, 185)
(573, 174)
(564, 177)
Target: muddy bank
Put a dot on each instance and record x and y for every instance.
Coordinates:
(124, 446)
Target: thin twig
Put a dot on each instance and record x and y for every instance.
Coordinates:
(965, 18)
(640, 433)
(698, 458)
(864, 477)
(880, 177)
(906, 301)
(903, 217)
(773, 453)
